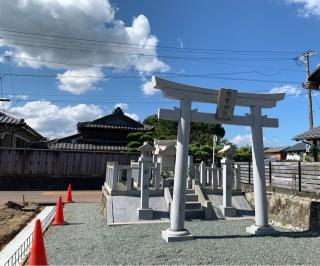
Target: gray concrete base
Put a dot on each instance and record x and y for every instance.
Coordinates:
(262, 231)
(229, 211)
(145, 214)
(174, 236)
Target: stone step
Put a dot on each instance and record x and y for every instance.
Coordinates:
(191, 197)
(194, 214)
(193, 205)
(190, 191)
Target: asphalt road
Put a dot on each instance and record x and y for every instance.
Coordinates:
(49, 196)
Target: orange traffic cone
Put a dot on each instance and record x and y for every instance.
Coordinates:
(38, 252)
(58, 218)
(69, 195)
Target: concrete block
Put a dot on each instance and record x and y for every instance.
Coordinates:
(174, 236)
(228, 211)
(262, 231)
(145, 214)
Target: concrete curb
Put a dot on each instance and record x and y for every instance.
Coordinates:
(17, 250)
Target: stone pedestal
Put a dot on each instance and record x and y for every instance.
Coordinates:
(173, 236)
(261, 231)
(145, 214)
(228, 211)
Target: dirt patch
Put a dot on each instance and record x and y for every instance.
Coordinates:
(11, 222)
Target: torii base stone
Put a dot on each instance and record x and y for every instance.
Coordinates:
(174, 236)
(262, 231)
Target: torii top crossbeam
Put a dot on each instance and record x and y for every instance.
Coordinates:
(173, 90)
(226, 100)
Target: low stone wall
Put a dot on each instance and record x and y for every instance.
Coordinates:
(292, 211)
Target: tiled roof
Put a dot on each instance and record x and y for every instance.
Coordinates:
(8, 119)
(298, 147)
(89, 125)
(275, 149)
(313, 133)
(116, 120)
(315, 75)
(84, 146)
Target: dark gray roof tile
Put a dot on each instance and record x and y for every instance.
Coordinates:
(313, 133)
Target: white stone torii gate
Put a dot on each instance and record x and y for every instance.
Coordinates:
(226, 100)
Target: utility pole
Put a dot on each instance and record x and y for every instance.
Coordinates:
(305, 58)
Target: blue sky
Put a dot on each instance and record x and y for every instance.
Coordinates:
(246, 45)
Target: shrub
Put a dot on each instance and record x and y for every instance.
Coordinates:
(134, 144)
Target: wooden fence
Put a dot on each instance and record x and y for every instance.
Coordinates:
(296, 176)
(58, 163)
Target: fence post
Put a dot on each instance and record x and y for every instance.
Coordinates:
(299, 175)
(270, 174)
(249, 172)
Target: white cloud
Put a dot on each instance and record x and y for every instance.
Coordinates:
(54, 121)
(19, 97)
(133, 116)
(242, 140)
(289, 90)
(85, 19)
(307, 7)
(79, 81)
(123, 106)
(148, 89)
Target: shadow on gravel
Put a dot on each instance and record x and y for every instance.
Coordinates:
(305, 234)
(75, 223)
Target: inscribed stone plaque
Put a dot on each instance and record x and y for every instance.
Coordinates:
(226, 103)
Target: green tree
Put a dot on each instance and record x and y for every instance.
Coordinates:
(200, 133)
(243, 154)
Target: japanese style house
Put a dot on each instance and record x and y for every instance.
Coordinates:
(108, 133)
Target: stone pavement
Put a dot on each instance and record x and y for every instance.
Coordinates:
(88, 240)
(49, 196)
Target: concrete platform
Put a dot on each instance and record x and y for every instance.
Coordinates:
(123, 209)
(243, 209)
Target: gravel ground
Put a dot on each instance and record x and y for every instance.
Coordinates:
(88, 240)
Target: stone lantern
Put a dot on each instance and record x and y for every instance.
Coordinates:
(144, 212)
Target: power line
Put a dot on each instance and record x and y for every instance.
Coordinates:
(147, 55)
(146, 45)
(116, 68)
(209, 76)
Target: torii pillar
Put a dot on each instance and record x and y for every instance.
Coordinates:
(177, 232)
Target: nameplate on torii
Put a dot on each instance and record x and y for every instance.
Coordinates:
(225, 104)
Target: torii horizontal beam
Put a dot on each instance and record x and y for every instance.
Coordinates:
(209, 118)
(173, 90)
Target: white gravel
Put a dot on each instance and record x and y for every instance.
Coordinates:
(88, 240)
